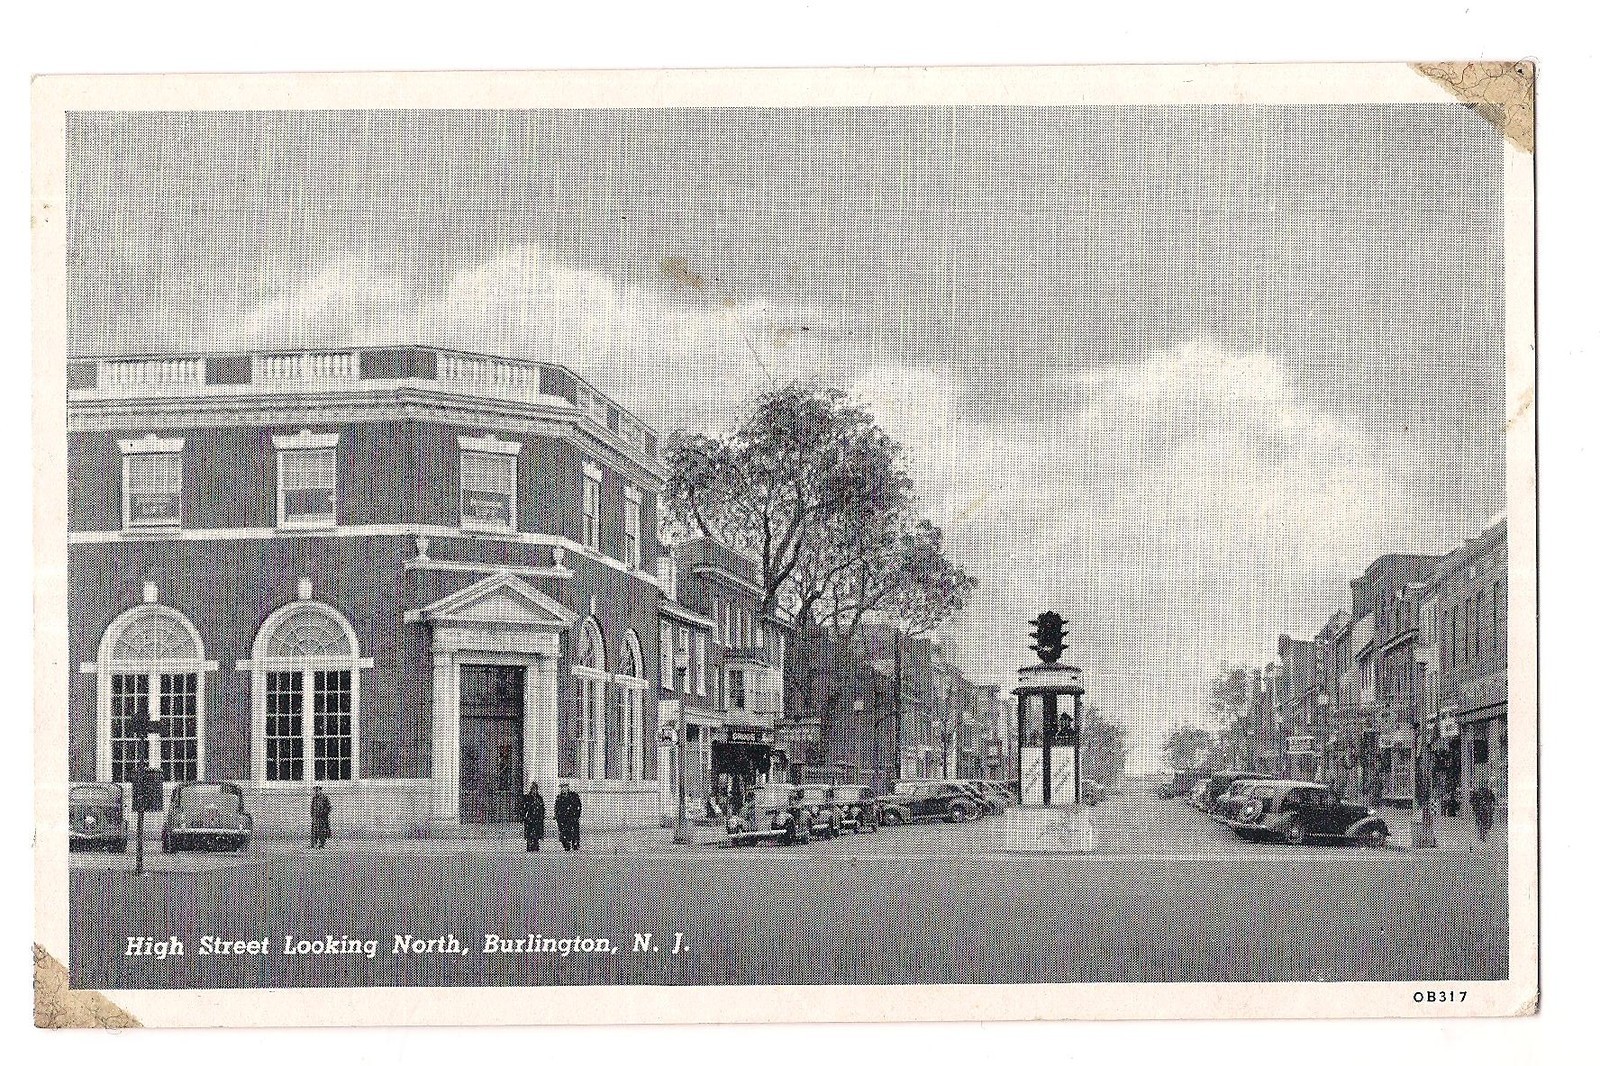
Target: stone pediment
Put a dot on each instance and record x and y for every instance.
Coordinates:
(498, 600)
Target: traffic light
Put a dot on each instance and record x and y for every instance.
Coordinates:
(1048, 635)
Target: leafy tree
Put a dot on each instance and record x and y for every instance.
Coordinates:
(1188, 746)
(1104, 746)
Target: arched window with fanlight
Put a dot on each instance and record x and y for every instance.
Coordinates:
(589, 675)
(151, 662)
(305, 668)
(631, 687)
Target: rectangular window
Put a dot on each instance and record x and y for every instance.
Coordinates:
(631, 510)
(680, 659)
(333, 757)
(130, 693)
(307, 486)
(488, 490)
(180, 723)
(666, 655)
(152, 490)
(285, 727)
(591, 511)
(736, 690)
(700, 663)
(1494, 620)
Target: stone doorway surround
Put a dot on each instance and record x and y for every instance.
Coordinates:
(500, 620)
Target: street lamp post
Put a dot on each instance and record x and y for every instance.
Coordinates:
(1422, 832)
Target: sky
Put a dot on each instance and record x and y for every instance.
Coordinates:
(1177, 372)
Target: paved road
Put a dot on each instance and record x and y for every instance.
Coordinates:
(1171, 897)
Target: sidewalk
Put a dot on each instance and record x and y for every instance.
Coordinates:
(1453, 834)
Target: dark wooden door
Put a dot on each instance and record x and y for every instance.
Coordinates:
(491, 743)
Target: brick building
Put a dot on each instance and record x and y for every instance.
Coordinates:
(415, 576)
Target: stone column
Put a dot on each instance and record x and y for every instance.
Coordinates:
(446, 741)
(541, 720)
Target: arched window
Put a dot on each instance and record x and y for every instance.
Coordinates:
(631, 686)
(151, 662)
(305, 668)
(589, 673)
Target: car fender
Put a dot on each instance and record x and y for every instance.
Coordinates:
(1366, 825)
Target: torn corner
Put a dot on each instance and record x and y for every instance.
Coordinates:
(56, 1005)
(1502, 93)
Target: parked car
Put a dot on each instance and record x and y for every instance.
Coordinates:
(95, 818)
(1000, 793)
(772, 814)
(826, 817)
(929, 801)
(1198, 792)
(1220, 782)
(982, 802)
(858, 806)
(1182, 784)
(1090, 792)
(1298, 812)
(206, 814)
(1228, 804)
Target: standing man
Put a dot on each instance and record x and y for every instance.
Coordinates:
(533, 816)
(569, 809)
(321, 818)
(1482, 800)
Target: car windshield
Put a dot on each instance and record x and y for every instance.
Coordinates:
(95, 794)
(815, 793)
(907, 788)
(203, 796)
(771, 797)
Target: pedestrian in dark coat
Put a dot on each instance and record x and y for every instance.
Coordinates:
(1482, 801)
(321, 817)
(569, 811)
(533, 816)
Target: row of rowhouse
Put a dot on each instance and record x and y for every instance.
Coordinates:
(1412, 674)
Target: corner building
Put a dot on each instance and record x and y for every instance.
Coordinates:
(417, 577)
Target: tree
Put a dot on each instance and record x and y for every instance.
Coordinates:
(1104, 746)
(815, 491)
(1188, 747)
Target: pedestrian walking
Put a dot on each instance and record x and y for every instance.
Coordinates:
(321, 817)
(533, 816)
(569, 812)
(1482, 800)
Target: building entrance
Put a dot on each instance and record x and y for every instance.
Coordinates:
(491, 742)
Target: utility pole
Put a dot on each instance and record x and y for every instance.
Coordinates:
(680, 834)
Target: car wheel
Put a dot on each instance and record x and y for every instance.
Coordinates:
(891, 818)
(1294, 833)
(1375, 838)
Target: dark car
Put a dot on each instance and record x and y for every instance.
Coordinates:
(998, 793)
(1298, 812)
(95, 818)
(208, 815)
(826, 817)
(1223, 780)
(859, 806)
(774, 814)
(982, 802)
(1090, 792)
(929, 801)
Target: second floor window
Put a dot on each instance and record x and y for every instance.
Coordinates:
(666, 655)
(152, 483)
(630, 529)
(489, 483)
(591, 507)
(307, 479)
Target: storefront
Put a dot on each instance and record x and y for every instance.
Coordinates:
(1397, 758)
(741, 758)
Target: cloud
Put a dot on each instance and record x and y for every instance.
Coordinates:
(672, 360)
(1181, 510)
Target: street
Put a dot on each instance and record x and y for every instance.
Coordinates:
(1169, 896)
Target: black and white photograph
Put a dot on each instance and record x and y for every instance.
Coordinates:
(969, 547)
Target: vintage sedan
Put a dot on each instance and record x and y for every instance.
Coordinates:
(208, 815)
(1220, 782)
(95, 818)
(859, 806)
(929, 801)
(1227, 805)
(827, 820)
(1299, 812)
(773, 814)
